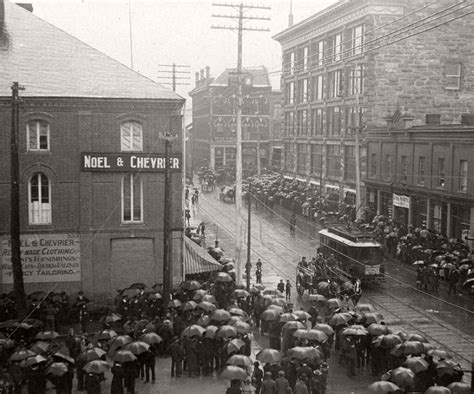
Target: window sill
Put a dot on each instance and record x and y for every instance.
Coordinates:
(41, 226)
(40, 151)
(133, 224)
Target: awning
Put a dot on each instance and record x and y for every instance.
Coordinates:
(197, 260)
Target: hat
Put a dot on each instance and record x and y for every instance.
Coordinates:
(268, 374)
(281, 373)
(318, 372)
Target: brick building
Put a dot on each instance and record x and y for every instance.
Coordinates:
(91, 163)
(348, 67)
(214, 119)
(422, 175)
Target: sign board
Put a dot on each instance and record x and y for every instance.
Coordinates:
(129, 162)
(44, 258)
(372, 270)
(401, 201)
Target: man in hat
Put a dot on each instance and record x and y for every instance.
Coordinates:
(268, 384)
(257, 377)
(177, 355)
(283, 387)
(324, 377)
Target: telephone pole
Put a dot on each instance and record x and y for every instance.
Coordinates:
(176, 75)
(240, 9)
(18, 284)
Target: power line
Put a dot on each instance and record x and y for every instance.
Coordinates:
(176, 75)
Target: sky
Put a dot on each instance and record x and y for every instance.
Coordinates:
(176, 31)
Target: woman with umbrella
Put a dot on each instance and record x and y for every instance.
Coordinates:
(116, 386)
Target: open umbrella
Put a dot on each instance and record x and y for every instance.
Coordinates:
(286, 317)
(277, 308)
(416, 364)
(316, 335)
(106, 335)
(209, 298)
(232, 372)
(40, 347)
(190, 285)
(417, 337)
(239, 360)
(270, 315)
(268, 356)
(7, 343)
(20, 355)
(459, 388)
(47, 335)
(302, 352)
(382, 386)
(322, 287)
(240, 293)
(150, 338)
(370, 318)
(34, 360)
(226, 332)
(278, 301)
(292, 325)
(174, 304)
(138, 286)
(236, 311)
(97, 367)
(123, 356)
(189, 306)
(111, 318)
(272, 292)
(326, 328)
(364, 308)
(302, 315)
(447, 367)
(193, 330)
(242, 327)
(403, 377)
(203, 321)
(223, 277)
(355, 330)
(316, 298)
(63, 357)
(378, 329)
(207, 306)
(91, 354)
(234, 345)
(137, 347)
(199, 294)
(211, 331)
(220, 315)
(334, 303)
(419, 262)
(57, 369)
(438, 390)
(119, 341)
(340, 319)
(438, 353)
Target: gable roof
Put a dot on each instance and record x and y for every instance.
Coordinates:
(260, 76)
(49, 62)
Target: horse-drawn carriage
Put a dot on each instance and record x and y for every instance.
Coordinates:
(208, 186)
(227, 194)
(310, 277)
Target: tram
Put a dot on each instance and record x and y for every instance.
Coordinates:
(355, 252)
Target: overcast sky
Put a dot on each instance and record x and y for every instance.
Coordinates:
(176, 31)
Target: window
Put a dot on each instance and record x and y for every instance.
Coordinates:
(317, 121)
(463, 176)
(292, 62)
(441, 172)
(403, 168)
(349, 162)
(289, 122)
(357, 40)
(319, 87)
(316, 159)
(39, 199)
(333, 124)
(437, 217)
(304, 90)
(421, 171)
(387, 167)
(305, 58)
(320, 54)
(132, 199)
(302, 122)
(333, 161)
(131, 137)
(356, 80)
(334, 84)
(353, 115)
(453, 76)
(335, 50)
(291, 93)
(301, 158)
(37, 135)
(373, 165)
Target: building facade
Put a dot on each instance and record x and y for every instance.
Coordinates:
(422, 176)
(91, 163)
(214, 120)
(348, 67)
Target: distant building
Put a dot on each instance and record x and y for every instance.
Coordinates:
(348, 67)
(91, 163)
(423, 175)
(214, 119)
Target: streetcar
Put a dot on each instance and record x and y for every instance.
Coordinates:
(355, 252)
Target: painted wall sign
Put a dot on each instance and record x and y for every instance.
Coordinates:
(129, 162)
(401, 201)
(45, 258)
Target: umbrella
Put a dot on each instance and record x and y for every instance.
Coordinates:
(299, 333)
(459, 388)
(154, 296)
(20, 355)
(370, 318)
(64, 357)
(278, 301)
(277, 308)
(34, 360)
(419, 262)
(416, 364)
(242, 327)
(192, 331)
(388, 341)
(326, 328)
(316, 298)
(174, 304)
(235, 345)
(364, 308)
(286, 317)
(223, 277)
(292, 325)
(340, 319)
(334, 303)
(403, 377)
(378, 329)
(96, 366)
(268, 356)
(239, 360)
(316, 335)
(220, 315)
(302, 352)
(236, 311)
(137, 347)
(302, 315)
(438, 390)
(209, 298)
(123, 356)
(151, 338)
(119, 341)
(91, 355)
(190, 285)
(203, 321)
(269, 315)
(199, 294)
(417, 337)
(40, 347)
(240, 293)
(57, 369)
(111, 318)
(439, 353)
(7, 343)
(139, 286)
(189, 306)
(232, 372)
(226, 332)
(272, 292)
(106, 335)
(447, 367)
(468, 283)
(211, 331)
(47, 335)
(382, 386)
(355, 330)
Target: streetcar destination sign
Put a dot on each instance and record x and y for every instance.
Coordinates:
(130, 162)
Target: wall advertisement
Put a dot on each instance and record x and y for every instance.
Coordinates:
(45, 258)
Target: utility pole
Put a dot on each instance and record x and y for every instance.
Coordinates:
(358, 129)
(130, 32)
(176, 75)
(249, 236)
(18, 284)
(240, 8)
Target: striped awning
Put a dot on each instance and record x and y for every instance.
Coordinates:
(197, 260)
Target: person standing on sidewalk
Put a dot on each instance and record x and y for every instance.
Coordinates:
(258, 275)
(257, 377)
(293, 225)
(288, 290)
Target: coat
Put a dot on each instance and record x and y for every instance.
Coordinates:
(116, 386)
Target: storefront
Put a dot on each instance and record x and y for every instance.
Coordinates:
(401, 209)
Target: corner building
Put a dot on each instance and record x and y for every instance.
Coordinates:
(91, 163)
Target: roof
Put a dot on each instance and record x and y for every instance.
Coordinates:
(345, 241)
(49, 62)
(259, 73)
(197, 260)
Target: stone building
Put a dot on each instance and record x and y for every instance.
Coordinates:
(91, 163)
(422, 175)
(349, 67)
(214, 119)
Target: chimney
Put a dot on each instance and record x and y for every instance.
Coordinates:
(407, 121)
(208, 74)
(290, 16)
(433, 119)
(467, 119)
(197, 77)
(202, 73)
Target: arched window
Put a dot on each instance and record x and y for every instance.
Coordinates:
(131, 137)
(37, 135)
(132, 199)
(39, 199)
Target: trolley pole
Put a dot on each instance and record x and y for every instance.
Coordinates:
(249, 236)
(18, 285)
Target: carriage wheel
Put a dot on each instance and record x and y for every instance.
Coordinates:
(299, 286)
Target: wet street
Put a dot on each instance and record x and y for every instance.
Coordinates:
(446, 321)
